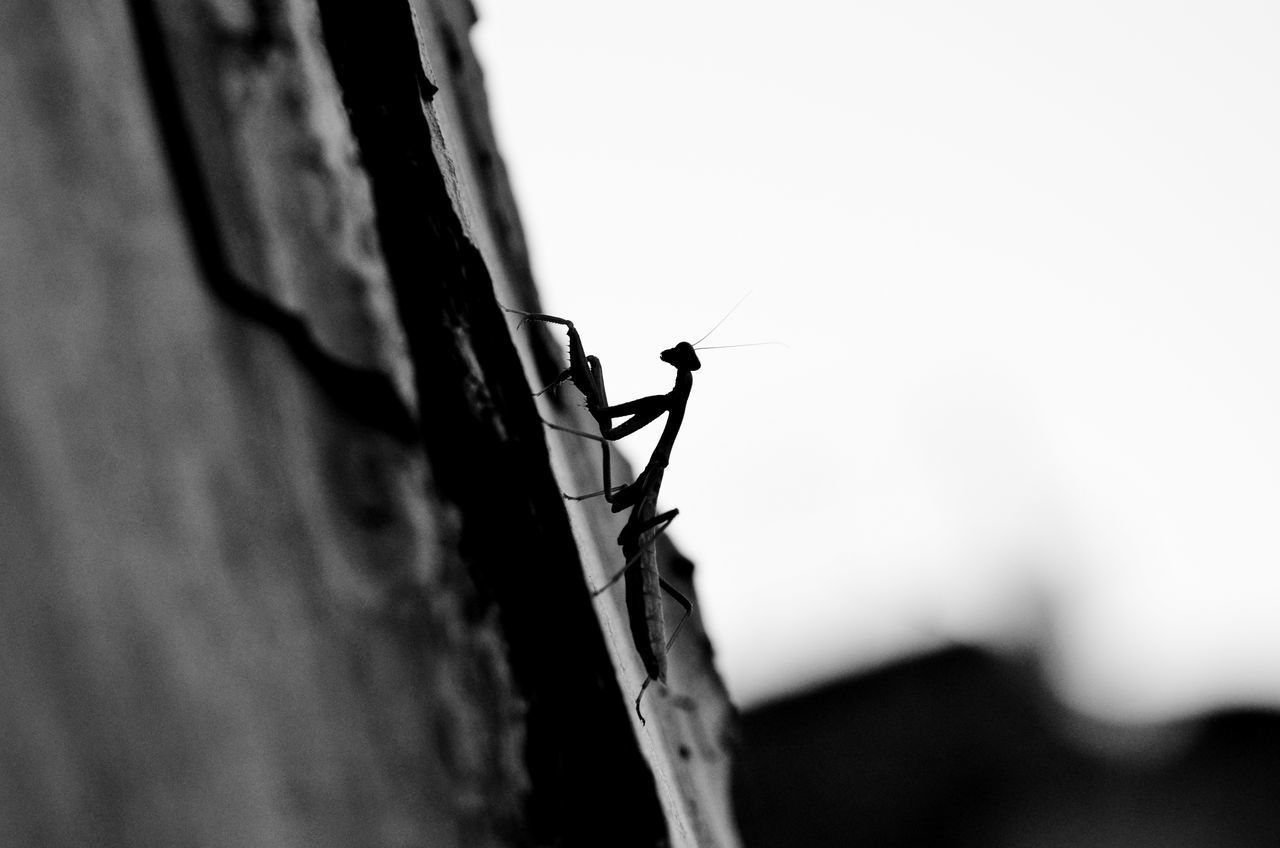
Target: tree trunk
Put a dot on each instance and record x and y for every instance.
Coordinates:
(283, 554)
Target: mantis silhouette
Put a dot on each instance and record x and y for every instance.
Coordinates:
(644, 584)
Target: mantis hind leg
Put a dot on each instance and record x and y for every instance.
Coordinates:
(660, 522)
(680, 599)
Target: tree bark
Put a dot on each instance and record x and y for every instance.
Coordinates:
(283, 555)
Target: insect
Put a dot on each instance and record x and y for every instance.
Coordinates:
(644, 584)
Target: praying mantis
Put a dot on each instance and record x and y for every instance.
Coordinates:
(644, 584)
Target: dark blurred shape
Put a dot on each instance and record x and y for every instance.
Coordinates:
(962, 748)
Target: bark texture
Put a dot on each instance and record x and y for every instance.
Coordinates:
(283, 556)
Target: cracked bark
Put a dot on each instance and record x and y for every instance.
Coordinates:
(284, 557)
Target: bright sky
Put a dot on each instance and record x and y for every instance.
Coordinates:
(1025, 256)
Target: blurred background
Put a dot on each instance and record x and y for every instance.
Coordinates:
(1024, 260)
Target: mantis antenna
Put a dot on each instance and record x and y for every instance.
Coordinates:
(722, 320)
(745, 344)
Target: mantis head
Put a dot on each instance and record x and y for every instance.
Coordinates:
(682, 356)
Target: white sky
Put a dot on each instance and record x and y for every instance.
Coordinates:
(1025, 256)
